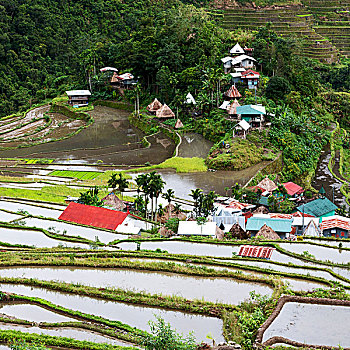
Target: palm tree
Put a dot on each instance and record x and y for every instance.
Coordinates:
(168, 195)
(113, 181)
(142, 182)
(197, 195)
(156, 184)
(122, 183)
(177, 208)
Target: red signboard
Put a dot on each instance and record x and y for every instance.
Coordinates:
(252, 251)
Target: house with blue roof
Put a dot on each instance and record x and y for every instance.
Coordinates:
(319, 208)
(253, 114)
(281, 226)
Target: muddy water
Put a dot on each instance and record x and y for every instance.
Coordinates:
(344, 244)
(64, 332)
(33, 210)
(176, 247)
(32, 313)
(216, 181)
(194, 145)
(323, 177)
(312, 324)
(74, 230)
(34, 238)
(190, 287)
(135, 316)
(111, 139)
(321, 253)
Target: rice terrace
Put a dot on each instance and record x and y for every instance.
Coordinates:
(174, 175)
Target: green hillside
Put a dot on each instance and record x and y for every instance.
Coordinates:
(323, 26)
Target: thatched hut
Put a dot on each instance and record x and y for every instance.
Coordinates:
(267, 184)
(219, 234)
(237, 232)
(268, 233)
(154, 106)
(164, 232)
(232, 93)
(112, 201)
(169, 212)
(164, 112)
(232, 111)
(178, 124)
(260, 210)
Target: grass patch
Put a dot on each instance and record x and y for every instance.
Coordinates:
(181, 165)
(80, 175)
(56, 194)
(234, 155)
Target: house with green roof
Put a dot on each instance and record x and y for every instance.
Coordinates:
(281, 226)
(319, 208)
(253, 114)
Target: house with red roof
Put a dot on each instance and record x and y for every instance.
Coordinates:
(335, 226)
(293, 189)
(99, 217)
(251, 78)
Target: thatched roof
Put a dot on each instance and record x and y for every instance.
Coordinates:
(164, 112)
(237, 232)
(163, 231)
(219, 234)
(154, 106)
(111, 200)
(232, 110)
(179, 124)
(232, 92)
(267, 184)
(267, 233)
(169, 212)
(260, 210)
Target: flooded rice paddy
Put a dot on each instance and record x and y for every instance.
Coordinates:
(31, 209)
(63, 332)
(189, 287)
(312, 324)
(135, 316)
(34, 238)
(32, 313)
(340, 256)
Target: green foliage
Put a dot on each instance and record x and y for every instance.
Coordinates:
(172, 224)
(23, 345)
(91, 197)
(164, 338)
(277, 88)
(80, 175)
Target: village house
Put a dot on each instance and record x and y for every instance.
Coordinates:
(241, 129)
(78, 98)
(232, 93)
(125, 80)
(192, 228)
(282, 227)
(153, 107)
(237, 50)
(293, 190)
(244, 61)
(164, 112)
(319, 208)
(252, 114)
(335, 226)
(232, 110)
(250, 78)
(115, 220)
(236, 75)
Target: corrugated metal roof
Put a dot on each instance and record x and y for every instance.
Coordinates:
(292, 188)
(335, 221)
(78, 93)
(93, 216)
(256, 251)
(251, 109)
(318, 207)
(278, 225)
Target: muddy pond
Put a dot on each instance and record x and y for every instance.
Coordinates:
(189, 287)
(135, 316)
(312, 324)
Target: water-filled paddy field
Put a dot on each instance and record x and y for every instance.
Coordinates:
(136, 316)
(312, 324)
(189, 287)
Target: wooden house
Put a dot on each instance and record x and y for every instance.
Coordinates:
(253, 114)
(232, 111)
(267, 184)
(282, 227)
(335, 226)
(250, 78)
(78, 98)
(244, 61)
(319, 208)
(293, 190)
(241, 129)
